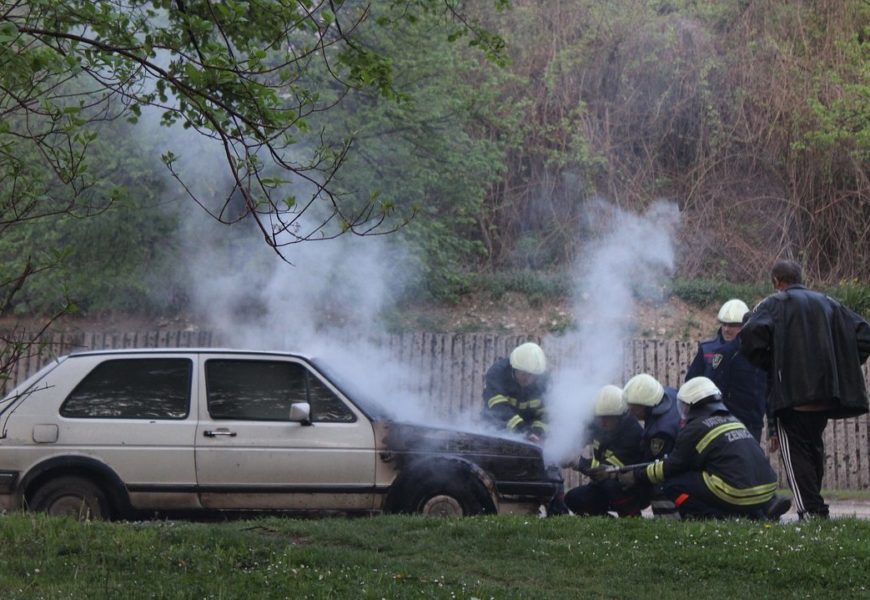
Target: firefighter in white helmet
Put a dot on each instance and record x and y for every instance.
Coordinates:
(716, 468)
(514, 390)
(656, 406)
(743, 386)
(615, 442)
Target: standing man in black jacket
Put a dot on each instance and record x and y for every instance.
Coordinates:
(812, 348)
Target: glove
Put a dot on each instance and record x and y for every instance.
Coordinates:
(583, 464)
(600, 474)
(626, 479)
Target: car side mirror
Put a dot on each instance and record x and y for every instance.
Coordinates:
(300, 412)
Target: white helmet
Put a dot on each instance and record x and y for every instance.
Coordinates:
(697, 389)
(529, 358)
(733, 311)
(609, 402)
(643, 390)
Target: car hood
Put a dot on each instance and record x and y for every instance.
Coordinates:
(503, 458)
(412, 437)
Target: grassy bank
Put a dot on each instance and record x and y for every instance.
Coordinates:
(410, 557)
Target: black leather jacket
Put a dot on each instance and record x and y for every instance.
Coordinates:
(812, 348)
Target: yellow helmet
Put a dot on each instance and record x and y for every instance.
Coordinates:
(609, 402)
(643, 390)
(697, 389)
(733, 311)
(529, 358)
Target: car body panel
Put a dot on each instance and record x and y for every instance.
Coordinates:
(197, 461)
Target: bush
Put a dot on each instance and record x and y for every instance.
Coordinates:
(537, 286)
(705, 292)
(854, 294)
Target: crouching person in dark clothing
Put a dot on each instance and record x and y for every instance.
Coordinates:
(616, 442)
(716, 469)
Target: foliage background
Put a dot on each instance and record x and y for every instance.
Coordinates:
(752, 116)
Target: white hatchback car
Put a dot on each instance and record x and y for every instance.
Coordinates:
(136, 432)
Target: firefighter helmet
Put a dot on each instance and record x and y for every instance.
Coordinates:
(609, 402)
(733, 311)
(529, 358)
(643, 390)
(698, 389)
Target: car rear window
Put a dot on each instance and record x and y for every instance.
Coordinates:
(264, 391)
(136, 388)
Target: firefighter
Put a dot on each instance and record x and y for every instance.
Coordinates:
(513, 392)
(656, 405)
(716, 468)
(743, 385)
(615, 442)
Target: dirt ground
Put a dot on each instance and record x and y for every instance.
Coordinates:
(512, 314)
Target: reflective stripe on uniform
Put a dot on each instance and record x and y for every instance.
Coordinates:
(539, 425)
(533, 403)
(757, 494)
(655, 472)
(610, 457)
(716, 432)
(514, 422)
(500, 399)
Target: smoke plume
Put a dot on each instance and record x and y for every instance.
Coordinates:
(628, 259)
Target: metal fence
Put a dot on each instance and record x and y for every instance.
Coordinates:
(450, 369)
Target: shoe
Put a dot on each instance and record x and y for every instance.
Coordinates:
(776, 507)
(808, 516)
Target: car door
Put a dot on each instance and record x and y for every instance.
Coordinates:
(249, 455)
(132, 413)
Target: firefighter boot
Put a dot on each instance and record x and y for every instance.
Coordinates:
(776, 507)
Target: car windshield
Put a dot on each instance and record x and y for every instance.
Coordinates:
(351, 386)
(30, 382)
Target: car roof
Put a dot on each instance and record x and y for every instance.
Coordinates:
(200, 350)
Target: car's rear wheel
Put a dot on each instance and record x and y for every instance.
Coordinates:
(75, 497)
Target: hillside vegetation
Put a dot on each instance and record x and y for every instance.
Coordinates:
(753, 117)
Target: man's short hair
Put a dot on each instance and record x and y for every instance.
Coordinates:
(787, 271)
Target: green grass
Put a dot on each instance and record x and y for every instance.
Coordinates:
(413, 557)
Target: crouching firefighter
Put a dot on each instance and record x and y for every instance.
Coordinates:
(513, 392)
(655, 405)
(513, 397)
(716, 469)
(615, 443)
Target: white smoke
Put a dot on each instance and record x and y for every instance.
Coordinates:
(630, 257)
(328, 299)
(324, 301)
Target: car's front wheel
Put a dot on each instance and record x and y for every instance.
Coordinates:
(448, 498)
(70, 496)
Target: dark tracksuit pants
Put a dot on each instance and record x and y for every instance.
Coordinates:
(802, 448)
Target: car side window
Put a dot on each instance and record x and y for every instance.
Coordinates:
(264, 390)
(136, 388)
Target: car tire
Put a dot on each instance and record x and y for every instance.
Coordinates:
(454, 497)
(75, 497)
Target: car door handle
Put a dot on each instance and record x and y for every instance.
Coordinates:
(217, 432)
